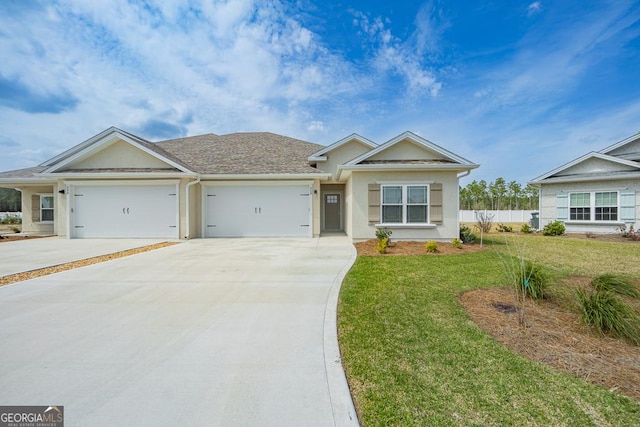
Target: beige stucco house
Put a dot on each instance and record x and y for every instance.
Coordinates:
(117, 184)
(597, 193)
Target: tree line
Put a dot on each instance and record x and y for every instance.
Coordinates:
(498, 195)
(10, 200)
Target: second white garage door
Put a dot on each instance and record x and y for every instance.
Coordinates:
(258, 211)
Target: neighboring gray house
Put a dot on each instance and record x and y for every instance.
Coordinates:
(597, 193)
(117, 184)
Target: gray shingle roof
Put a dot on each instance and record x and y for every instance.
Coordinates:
(243, 153)
(22, 173)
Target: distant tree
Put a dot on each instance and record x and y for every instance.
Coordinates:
(478, 195)
(498, 190)
(10, 200)
(531, 194)
(513, 193)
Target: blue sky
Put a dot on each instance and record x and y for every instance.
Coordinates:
(520, 87)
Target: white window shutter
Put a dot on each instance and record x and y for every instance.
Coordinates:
(627, 205)
(562, 207)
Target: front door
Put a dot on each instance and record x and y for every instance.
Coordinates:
(333, 211)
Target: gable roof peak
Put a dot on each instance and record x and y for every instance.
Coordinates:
(416, 139)
(590, 155)
(353, 137)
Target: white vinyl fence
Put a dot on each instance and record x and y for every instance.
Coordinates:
(498, 216)
(3, 215)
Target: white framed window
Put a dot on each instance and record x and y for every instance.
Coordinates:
(594, 206)
(46, 208)
(404, 204)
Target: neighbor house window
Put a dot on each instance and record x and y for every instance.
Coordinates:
(607, 206)
(46, 208)
(593, 206)
(580, 207)
(404, 204)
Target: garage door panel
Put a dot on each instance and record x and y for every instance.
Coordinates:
(258, 211)
(125, 211)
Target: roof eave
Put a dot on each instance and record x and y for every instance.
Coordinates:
(317, 158)
(262, 176)
(21, 181)
(121, 175)
(392, 167)
(584, 178)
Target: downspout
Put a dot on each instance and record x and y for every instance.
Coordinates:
(188, 213)
(458, 202)
(464, 174)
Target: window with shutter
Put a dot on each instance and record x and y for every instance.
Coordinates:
(435, 206)
(35, 208)
(562, 207)
(374, 204)
(627, 205)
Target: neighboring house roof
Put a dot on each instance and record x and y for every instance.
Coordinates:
(620, 166)
(243, 153)
(635, 152)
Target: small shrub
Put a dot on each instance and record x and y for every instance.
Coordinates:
(609, 314)
(526, 228)
(466, 235)
(382, 245)
(383, 233)
(484, 221)
(431, 247)
(504, 228)
(11, 219)
(616, 284)
(555, 228)
(457, 243)
(533, 280)
(15, 229)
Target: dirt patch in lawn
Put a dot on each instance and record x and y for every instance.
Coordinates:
(554, 335)
(19, 277)
(370, 248)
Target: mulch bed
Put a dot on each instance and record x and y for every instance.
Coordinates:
(555, 336)
(13, 238)
(370, 248)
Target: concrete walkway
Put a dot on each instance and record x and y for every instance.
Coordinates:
(31, 254)
(221, 332)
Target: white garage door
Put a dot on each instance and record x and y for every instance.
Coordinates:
(258, 211)
(124, 211)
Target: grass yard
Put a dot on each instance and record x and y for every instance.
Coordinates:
(413, 356)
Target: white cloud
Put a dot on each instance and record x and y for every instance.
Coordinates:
(534, 8)
(392, 55)
(315, 126)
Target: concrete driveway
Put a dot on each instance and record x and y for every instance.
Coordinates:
(229, 332)
(30, 253)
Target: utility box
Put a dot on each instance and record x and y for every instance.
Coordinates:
(534, 222)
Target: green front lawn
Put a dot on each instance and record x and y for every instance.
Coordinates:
(414, 357)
